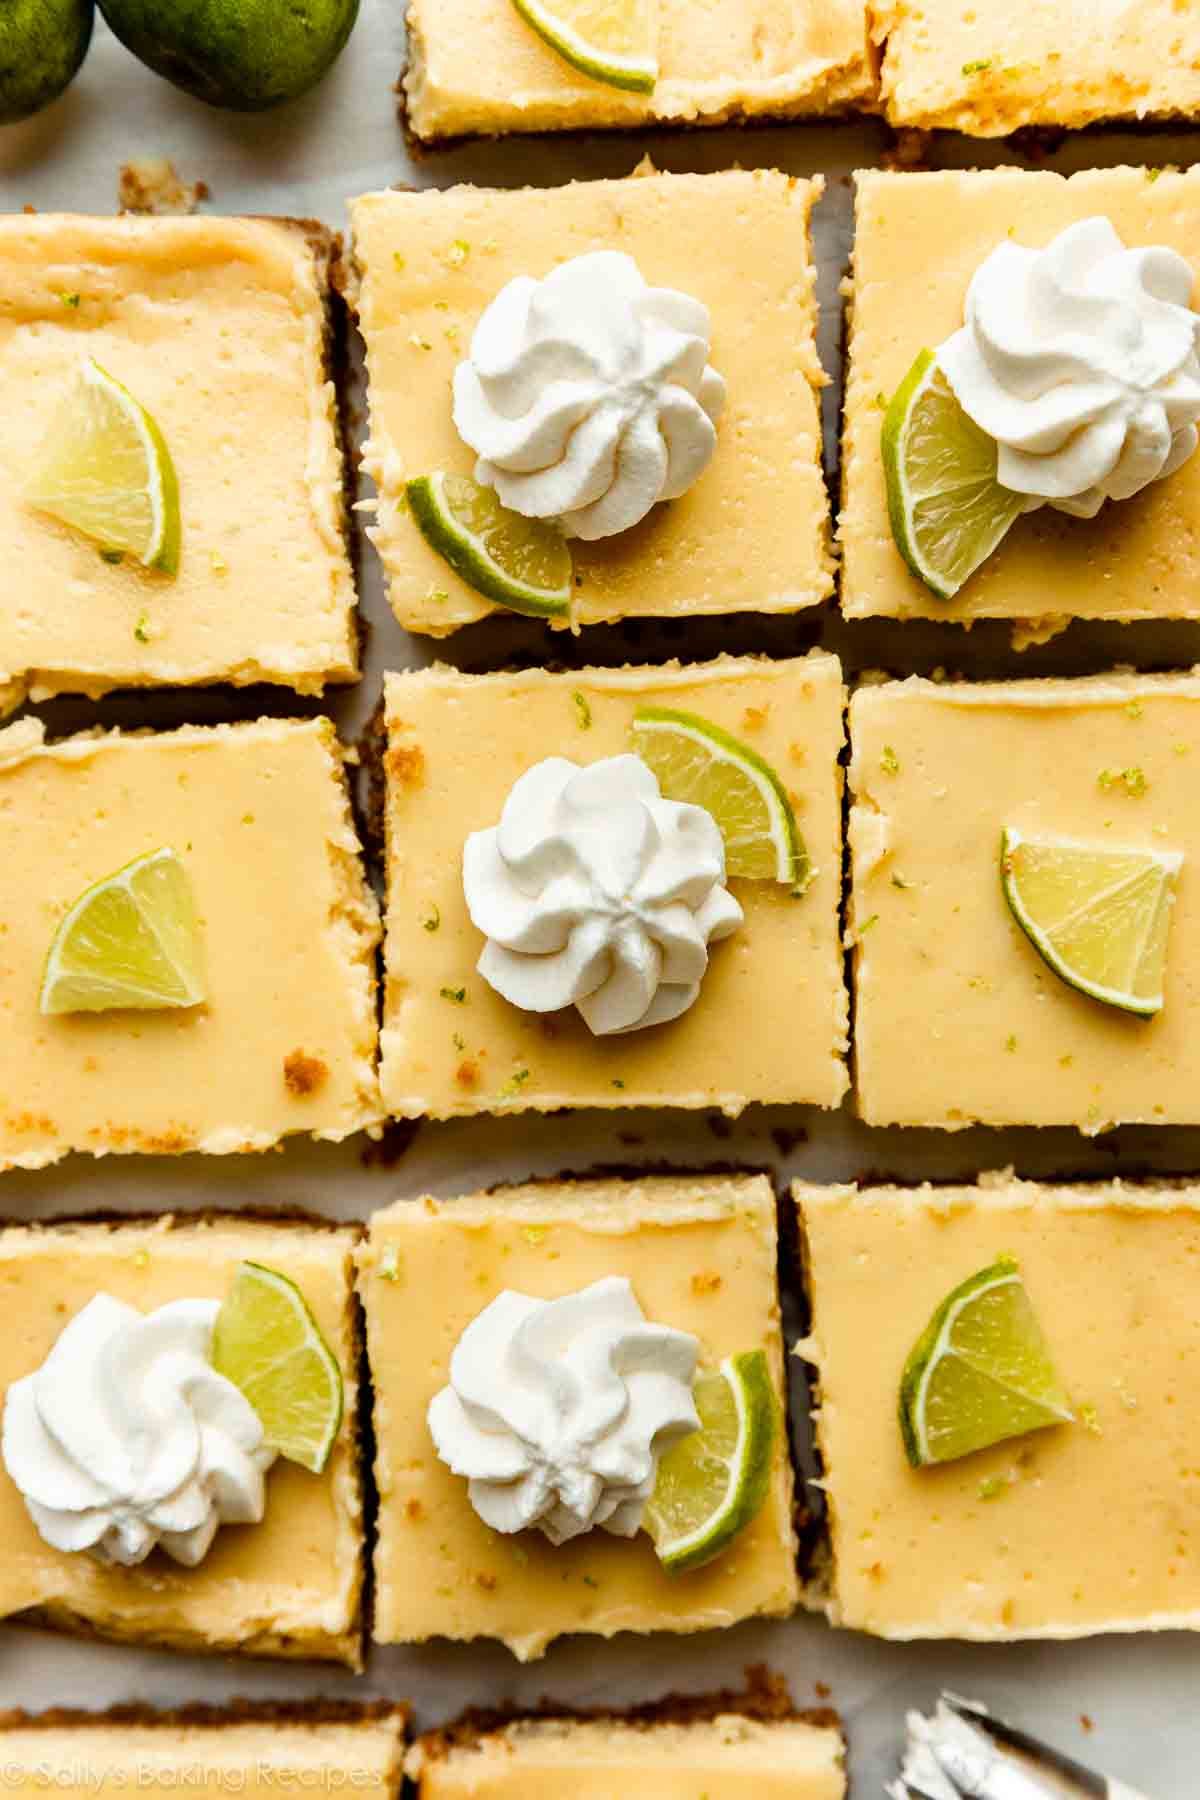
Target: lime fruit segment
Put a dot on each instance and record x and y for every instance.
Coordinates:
(697, 762)
(268, 1344)
(614, 41)
(104, 469)
(132, 940)
(1099, 917)
(981, 1372)
(520, 563)
(947, 510)
(712, 1484)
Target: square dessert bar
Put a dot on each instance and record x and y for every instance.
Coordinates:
(475, 68)
(290, 1586)
(220, 328)
(243, 1749)
(750, 535)
(285, 1040)
(700, 1254)
(725, 1746)
(920, 239)
(451, 1044)
(1070, 1530)
(957, 1016)
(988, 67)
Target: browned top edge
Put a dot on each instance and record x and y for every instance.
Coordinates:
(237, 1712)
(765, 1698)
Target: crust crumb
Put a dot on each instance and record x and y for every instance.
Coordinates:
(488, 1583)
(152, 186)
(909, 149)
(406, 764)
(413, 1509)
(303, 1074)
(467, 1074)
(705, 1281)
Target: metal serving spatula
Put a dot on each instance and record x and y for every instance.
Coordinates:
(961, 1753)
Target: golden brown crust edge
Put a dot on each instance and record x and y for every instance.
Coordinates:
(286, 1218)
(236, 1712)
(765, 1698)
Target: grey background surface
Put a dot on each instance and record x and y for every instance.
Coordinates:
(1139, 1693)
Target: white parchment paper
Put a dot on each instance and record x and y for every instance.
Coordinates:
(1129, 1704)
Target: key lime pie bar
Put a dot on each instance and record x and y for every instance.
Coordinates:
(578, 1411)
(725, 1746)
(479, 67)
(242, 1749)
(1023, 857)
(598, 880)
(988, 68)
(581, 413)
(175, 365)
(188, 942)
(1023, 397)
(1074, 1337)
(179, 1439)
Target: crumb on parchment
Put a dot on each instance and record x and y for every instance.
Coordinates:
(151, 185)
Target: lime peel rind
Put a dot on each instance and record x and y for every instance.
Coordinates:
(93, 506)
(996, 506)
(633, 73)
(469, 557)
(242, 1325)
(75, 979)
(792, 865)
(1150, 951)
(747, 1378)
(1050, 1406)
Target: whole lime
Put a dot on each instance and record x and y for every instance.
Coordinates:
(243, 54)
(42, 43)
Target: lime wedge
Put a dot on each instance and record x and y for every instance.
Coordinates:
(711, 1484)
(268, 1344)
(980, 1372)
(696, 761)
(614, 41)
(104, 468)
(520, 563)
(1100, 917)
(131, 940)
(948, 512)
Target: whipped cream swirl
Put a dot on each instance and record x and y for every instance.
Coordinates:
(594, 891)
(1080, 360)
(558, 1410)
(588, 397)
(127, 1438)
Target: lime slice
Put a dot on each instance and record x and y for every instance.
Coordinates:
(711, 1484)
(520, 563)
(614, 41)
(980, 1372)
(696, 761)
(131, 940)
(104, 468)
(268, 1344)
(1099, 916)
(948, 511)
